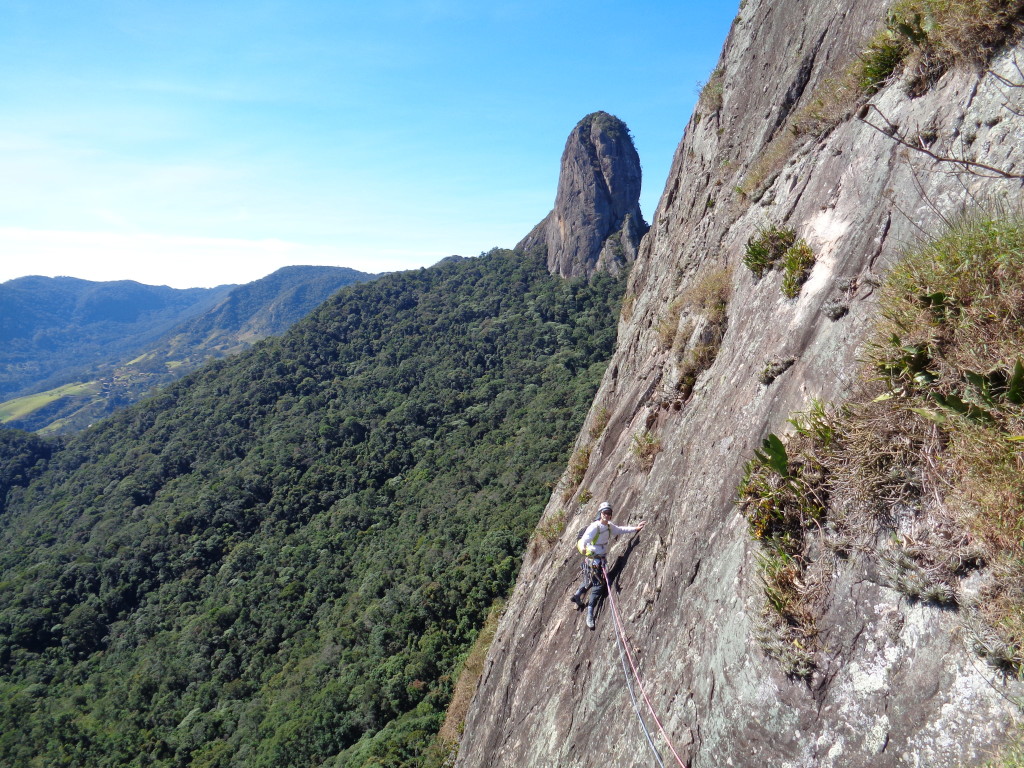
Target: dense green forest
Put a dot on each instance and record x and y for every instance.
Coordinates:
(280, 560)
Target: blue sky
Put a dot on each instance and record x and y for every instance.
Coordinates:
(197, 143)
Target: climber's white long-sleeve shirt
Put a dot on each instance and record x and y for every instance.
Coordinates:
(594, 541)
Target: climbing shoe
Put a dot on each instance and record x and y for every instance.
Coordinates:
(590, 617)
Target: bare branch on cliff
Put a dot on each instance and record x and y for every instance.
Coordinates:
(1010, 84)
(973, 167)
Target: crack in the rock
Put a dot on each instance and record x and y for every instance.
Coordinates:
(797, 86)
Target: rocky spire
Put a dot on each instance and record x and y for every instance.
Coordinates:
(596, 222)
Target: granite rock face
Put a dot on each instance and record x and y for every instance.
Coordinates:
(596, 222)
(897, 683)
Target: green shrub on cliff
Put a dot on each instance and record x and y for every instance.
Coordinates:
(764, 249)
(797, 262)
(928, 37)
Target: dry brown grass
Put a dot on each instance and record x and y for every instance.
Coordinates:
(768, 164)
(832, 103)
(628, 305)
(876, 466)
(646, 446)
(576, 471)
(920, 38)
(958, 304)
(548, 531)
(711, 93)
(978, 266)
(600, 423)
(939, 34)
(668, 325)
(709, 294)
(706, 301)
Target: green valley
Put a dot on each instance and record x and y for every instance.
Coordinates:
(124, 339)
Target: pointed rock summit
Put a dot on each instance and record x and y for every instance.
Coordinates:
(596, 223)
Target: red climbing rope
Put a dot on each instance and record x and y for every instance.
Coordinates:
(621, 630)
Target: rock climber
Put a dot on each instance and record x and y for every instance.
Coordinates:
(593, 545)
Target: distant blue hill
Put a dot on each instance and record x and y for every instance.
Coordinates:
(120, 339)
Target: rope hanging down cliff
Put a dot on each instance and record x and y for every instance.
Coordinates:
(636, 704)
(620, 636)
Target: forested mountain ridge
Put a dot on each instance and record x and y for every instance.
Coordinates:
(262, 308)
(280, 559)
(76, 350)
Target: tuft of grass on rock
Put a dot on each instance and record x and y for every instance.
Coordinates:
(646, 446)
(712, 91)
(797, 262)
(668, 325)
(600, 423)
(766, 247)
(577, 470)
(923, 469)
(926, 38)
(707, 299)
(919, 40)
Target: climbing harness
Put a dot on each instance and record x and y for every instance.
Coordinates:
(620, 636)
(592, 567)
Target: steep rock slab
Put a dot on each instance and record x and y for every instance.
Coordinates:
(596, 222)
(896, 684)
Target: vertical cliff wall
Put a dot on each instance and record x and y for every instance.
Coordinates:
(896, 684)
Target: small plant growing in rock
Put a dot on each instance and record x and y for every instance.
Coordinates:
(907, 576)
(668, 326)
(550, 529)
(784, 495)
(577, 470)
(628, 305)
(797, 262)
(993, 644)
(712, 91)
(786, 630)
(927, 37)
(697, 360)
(929, 450)
(779, 497)
(879, 60)
(766, 247)
(708, 296)
(601, 419)
(646, 445)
